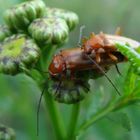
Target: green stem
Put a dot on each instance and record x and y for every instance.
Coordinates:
(51, 53)
(51, 105)
(95, 118)
(73, 121)
(55, 117)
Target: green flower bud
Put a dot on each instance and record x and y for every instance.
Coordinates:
(6, 133)
(69, 92)
(50, 30)
(4, 32)
(74, 90)
(20, 16)
(70, 17)
(16, 53)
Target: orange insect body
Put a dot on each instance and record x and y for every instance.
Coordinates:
(104, 43)
(97, 43)
(101, 48)
(74, 60)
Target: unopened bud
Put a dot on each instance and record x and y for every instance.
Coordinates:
(70, 17)
(20, 16)
(69, 92)
(50, 30)
(16, 52)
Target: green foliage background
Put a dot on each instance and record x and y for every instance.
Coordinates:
(19, 95)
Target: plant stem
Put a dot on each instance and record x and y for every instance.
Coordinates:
(51, 53)
(51, 105)
(73, 121)
(55, 117)
(95, 118)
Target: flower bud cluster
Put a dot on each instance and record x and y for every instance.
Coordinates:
(18, 51)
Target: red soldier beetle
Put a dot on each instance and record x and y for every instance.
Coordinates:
(93, 54)
(74, 60)
(105, 43)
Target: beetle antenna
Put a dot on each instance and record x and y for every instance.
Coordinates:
(100, 68)
(38, 109)
(80, 33)
(116, 66)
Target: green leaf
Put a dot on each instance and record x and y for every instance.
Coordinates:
(129, 82)
(120, 118)
(136, 91)
(138, 49)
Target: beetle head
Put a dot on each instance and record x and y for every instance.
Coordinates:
(57, 66)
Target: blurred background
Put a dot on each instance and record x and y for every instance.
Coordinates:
(19, 95)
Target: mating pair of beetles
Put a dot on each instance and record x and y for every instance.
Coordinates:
(95, 53)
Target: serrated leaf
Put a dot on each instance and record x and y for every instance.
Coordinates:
(120, 119)
(136, 91)
(129, 82)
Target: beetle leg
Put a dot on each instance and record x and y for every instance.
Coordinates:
(98, 58)
(113, 57)
(101, 50)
